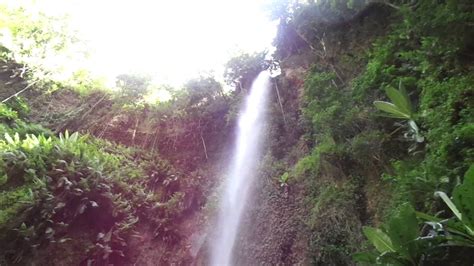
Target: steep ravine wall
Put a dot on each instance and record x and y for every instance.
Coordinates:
(279, 226)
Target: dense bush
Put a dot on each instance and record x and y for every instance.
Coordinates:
(429, 51)
(54, 187)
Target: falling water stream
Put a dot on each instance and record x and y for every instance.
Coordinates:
(241, 172)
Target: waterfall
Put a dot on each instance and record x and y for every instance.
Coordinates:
(241, 171)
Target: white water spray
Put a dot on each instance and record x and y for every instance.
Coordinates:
(241, 172)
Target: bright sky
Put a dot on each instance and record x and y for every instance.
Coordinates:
(172, 40)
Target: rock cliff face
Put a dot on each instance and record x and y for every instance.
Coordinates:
(280, 226)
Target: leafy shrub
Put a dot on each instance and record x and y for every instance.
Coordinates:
(332, 237)
(425, 51)
(310, 165)
(19, 105)
(461, 231)
(53, 186)
(401, 108)
(367, 146)
(402, 242)
(397, 245)
(7, 114)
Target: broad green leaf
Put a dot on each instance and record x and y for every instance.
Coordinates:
(403, 230)
(74, 137)
(365, 257)
(450, 204)
(457, 228)
(379, 239)
(427, 217)
(455, 240)
(456, 211)
(392, 259)
(463, 197)
(404, 93)
(9, 139)
(284, 177)
(3, 179)
(469, 176)
(390, 108)
(399, 100)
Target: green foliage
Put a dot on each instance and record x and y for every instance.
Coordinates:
(284, 178)
(441, 86)
(400, 108)
(240, 71)
(379, 239)
(463, 198)
(50, 186)
(425, 50)
(367, 146)
(462, 208)
(426, 61)
(32, 43)
(19, 105)
(11, 122)
(402, 243)
(325, 106)
(310, 165)
(333, 236)
(53, 186)
(133, 86)
(34, 39)
(7, 114)
(194, 117)
(399, 244)
(303, 24)
(12, 201)
(202, 89)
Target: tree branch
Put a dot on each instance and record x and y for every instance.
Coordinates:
(18, 93)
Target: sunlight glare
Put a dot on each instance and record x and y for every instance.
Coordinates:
(171, 40)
